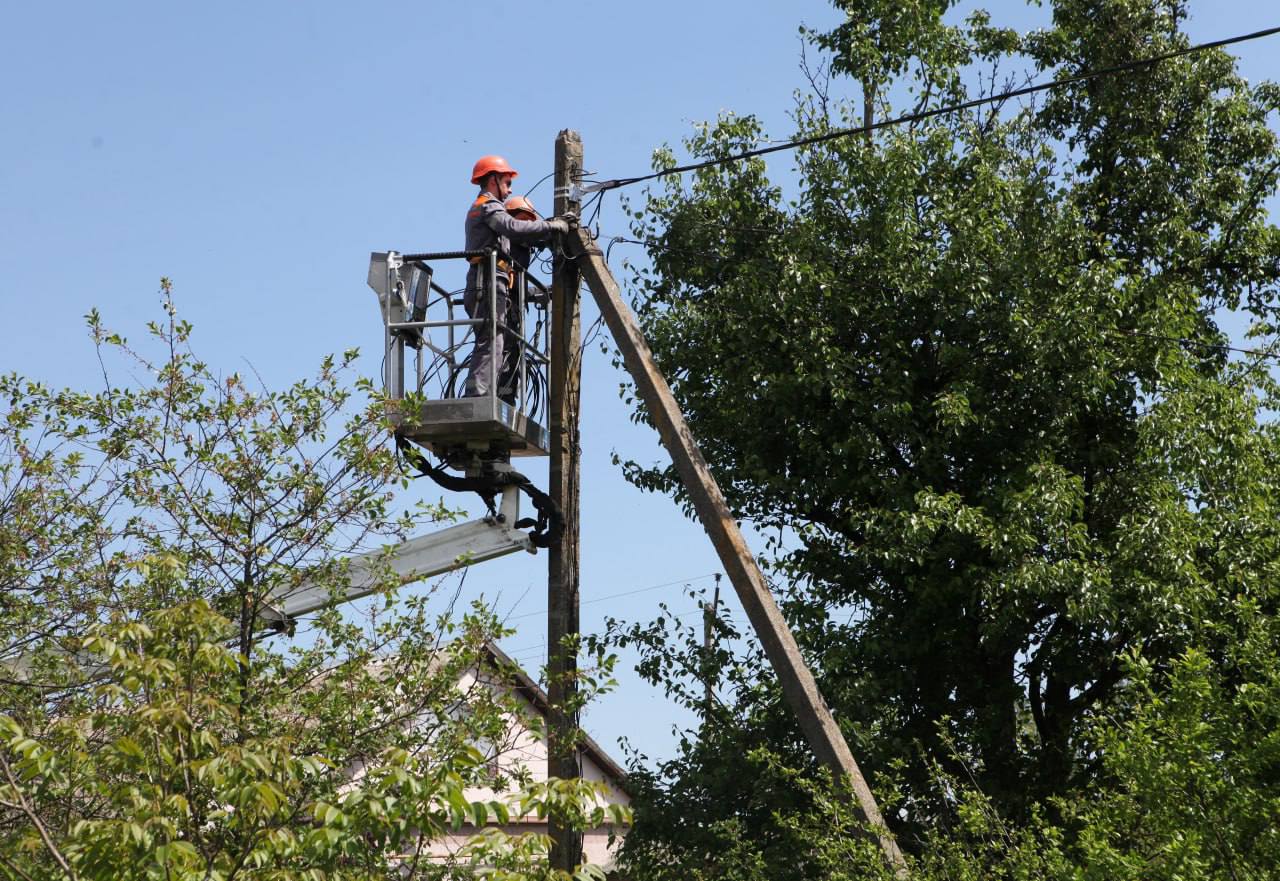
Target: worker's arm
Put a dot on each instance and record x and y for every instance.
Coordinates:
(524, 231)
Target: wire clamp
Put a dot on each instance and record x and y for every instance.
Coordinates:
(575, 192)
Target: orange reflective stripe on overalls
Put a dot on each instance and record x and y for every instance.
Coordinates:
(503, 265)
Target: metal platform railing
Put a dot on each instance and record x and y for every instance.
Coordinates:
(431, 322)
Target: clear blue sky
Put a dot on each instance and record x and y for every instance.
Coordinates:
(256, 153)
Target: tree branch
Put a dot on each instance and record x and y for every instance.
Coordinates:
(25, 807)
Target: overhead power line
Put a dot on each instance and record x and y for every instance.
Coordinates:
(1269, 352)
(528, 652)
(614, 596)
(1126, 67)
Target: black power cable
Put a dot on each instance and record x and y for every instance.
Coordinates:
(1136, 64)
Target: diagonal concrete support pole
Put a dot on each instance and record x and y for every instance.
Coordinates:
(798, 685)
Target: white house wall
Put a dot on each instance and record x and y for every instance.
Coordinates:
(524, 749)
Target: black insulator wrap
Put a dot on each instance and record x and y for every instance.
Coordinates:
(443, 255)
(548, 525)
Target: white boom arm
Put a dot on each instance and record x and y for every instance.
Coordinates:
(413, 560)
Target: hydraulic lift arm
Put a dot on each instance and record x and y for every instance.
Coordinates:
(416, 559)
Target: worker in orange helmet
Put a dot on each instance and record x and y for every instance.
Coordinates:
(526, 289)
(521, 208)
(490, 225)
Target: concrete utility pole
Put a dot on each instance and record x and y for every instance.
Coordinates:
(798, 685)
(564, 398)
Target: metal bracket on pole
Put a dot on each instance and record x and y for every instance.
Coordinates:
(575, 191)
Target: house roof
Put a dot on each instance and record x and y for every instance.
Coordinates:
(532, 692)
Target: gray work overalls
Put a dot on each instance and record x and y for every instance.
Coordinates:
(490, 226)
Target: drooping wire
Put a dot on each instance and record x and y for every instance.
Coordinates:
(1126, 67)
(1269, 352)
(590, 337)
(598, 202)
(541, 181)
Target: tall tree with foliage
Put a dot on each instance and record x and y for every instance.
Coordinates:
(152, 727)
(972, 376)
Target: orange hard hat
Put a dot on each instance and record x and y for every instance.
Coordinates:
(520, 203)
(488, 165)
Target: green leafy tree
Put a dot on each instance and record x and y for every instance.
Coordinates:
(153, 727)
(971, 375)
(1188, 784)
(159, 776)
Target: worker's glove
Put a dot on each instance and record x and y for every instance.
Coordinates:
(570, 218)
(559, 225)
